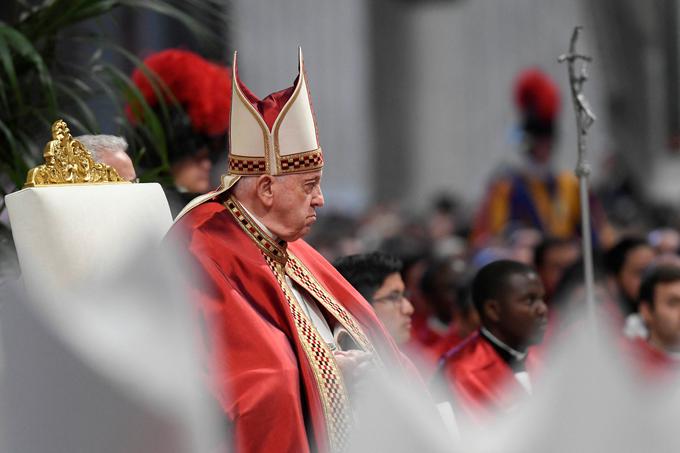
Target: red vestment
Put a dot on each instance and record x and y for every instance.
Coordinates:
(651, 361)
(426, 345)
(274, 377)
(480, 381)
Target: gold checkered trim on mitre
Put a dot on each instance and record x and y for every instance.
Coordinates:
(243, 165)
(302, 162)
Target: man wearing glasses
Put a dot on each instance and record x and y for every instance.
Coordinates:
(377, 277)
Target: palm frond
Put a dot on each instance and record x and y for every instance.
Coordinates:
(38, 85)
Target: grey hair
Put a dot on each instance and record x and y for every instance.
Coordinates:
(244, 186)
(247, 184)
(99, 144)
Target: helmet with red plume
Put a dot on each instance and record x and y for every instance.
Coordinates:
(198, 96)
(538, 100)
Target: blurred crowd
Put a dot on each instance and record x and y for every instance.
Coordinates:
(432, 311)
(486, 291)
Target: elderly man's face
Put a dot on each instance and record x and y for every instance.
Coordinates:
(630, 276)
(121, 162)
(295, 199)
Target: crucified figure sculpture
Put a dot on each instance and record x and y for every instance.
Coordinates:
(584, 119)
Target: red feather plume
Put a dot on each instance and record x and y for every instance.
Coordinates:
(201, 87)
(536, 95)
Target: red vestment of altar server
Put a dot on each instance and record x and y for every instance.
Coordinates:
(651, 362)
(255, 359)
(481, 383)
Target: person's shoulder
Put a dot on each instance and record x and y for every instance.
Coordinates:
(201, 215)
(458, 355)
(301, 246)
(312, 259)
(191, 227)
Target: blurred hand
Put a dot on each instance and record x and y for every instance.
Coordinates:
(354, 365)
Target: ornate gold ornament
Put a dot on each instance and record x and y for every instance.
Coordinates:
(67, 161)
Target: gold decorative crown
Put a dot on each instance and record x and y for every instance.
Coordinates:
(67, 161)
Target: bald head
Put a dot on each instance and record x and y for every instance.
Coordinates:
(110, 150)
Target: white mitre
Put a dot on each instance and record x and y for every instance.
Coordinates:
(276, 135)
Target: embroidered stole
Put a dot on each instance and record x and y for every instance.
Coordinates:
(329, 380)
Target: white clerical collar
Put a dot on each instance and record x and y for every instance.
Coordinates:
(513, 352)
(259, 223)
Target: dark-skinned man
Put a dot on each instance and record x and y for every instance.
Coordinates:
(487, 373)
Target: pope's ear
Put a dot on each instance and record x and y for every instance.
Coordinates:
(492, 310)
(265, 191)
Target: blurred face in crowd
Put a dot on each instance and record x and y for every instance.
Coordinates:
(293, 203)
(556, 260)
(630, 276)
(192, 173)
(665, 241)
(443, 295)
(540, 150)
(662, 316)
(121, 162)
(393, 308)
(520, 316)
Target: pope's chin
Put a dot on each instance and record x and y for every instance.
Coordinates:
(309, 221)
(299, 234)
(305, 230)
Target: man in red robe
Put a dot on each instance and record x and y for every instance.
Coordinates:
(659, 306)
(285, 336)
(488, 373)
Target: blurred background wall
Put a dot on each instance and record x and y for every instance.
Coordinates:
(414, 98)
(335, 37)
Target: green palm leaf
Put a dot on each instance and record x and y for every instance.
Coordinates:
(39, 85)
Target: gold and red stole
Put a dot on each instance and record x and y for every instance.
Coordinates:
(274, 377)
(329, 380)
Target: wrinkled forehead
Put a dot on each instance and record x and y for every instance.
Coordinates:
(316, 174)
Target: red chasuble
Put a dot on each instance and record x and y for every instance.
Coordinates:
(481, 383)
(426, 346)
(275, 378)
